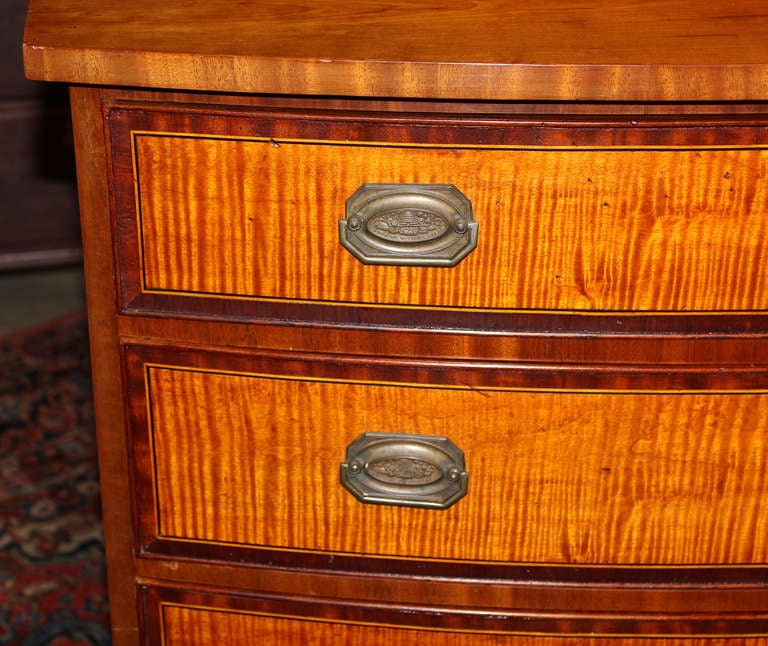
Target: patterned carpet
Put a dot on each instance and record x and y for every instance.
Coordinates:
(52, 578)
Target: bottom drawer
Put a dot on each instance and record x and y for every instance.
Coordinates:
(186, 618)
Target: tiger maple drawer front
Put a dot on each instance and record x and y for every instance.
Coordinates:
(236, 212)
(192, 618)
(243, 451)
(182, 625)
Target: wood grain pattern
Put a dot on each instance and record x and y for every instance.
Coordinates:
(430, 106)
(581, 478)
(685, 593)
(669, 230)
(491, 49)
(738, 364)
(601, 358)
(105, 360)
(190, 617)
(189, 626)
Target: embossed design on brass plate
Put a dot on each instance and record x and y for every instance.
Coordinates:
(410, 471)
(404, 469)
(409, 224)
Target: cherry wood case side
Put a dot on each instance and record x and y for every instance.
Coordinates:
(96, 225)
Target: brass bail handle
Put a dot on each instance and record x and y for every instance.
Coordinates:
(427, 225)
(402, 469)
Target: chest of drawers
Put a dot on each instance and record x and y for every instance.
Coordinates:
(425, 325)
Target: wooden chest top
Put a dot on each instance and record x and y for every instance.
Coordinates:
(672, 50)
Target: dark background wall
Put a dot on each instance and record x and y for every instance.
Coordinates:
(38, 215)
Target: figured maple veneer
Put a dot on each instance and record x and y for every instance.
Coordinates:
(600, 357)
(186, 626)
(252, 459)
(182, 618)
(573, 227)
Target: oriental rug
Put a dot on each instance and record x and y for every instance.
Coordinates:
(52, 574)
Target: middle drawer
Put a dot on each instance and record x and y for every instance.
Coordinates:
(243, 451)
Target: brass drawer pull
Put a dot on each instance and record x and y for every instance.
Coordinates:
(427, 225)
(401, 469)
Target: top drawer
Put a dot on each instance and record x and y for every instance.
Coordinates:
(238, 212)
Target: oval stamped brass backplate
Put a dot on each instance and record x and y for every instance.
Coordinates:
(402, 469)
(428, 225)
